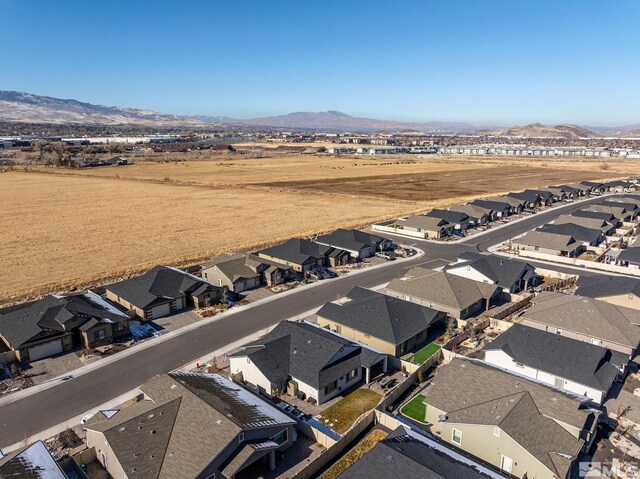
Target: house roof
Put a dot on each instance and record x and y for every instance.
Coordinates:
(474, 392)
(429, 223)
(596, 367)
(189, 420)
(31, 462)
(474, 212)
(617, 211)
(442, 288)
(416, 456)
(236, 269)
(160, 283)
(296, 251)
(512, 201)
(577, 232)
(601, 286)
(56, 314)
(585, 222)
(631, 255)
(502, 271)
(548, 240)
(381, 316)
(306, 352)
(567, 188)
(588, 316)
(603, 215)
(529, 196)
(450, 216)
(352, 240)
(621, 202)
(494, 205)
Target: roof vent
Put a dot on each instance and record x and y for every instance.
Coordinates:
(122, 429)
(151, 416)
(153, 431)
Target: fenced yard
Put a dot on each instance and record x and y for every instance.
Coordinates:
(415, 409)
(422, 355)
(341, 415)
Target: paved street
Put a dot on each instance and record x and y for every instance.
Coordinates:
(46, 408)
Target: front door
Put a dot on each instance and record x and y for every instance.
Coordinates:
(507, 464)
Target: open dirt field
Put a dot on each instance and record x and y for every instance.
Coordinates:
(64, 229)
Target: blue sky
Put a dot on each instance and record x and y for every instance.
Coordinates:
(484, 62)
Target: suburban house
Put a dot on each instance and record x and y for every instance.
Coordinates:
(460, 221)
(579, 189)
(478, 216)
(411, 454)
(629, 257)
(244, 272)
(56, 324)
(558, 194)
(191, 426)
(460, 297)
(549, 243)
(601, 215)
(384, 322)
(306, 361)
(529, 199)
(586, 236)
(619, 186)
(359, 244)
(517, 205)
(30, 462)
(301, 255)
(593, 187)
(418, 226)
(501, 209)
(511, 275)
(521, 427)
(117, 160)
(618, 290)
(586, 319)
(619, 212)
(546, 197)
(629, 204)
(557, 360)
(162, 291)
(607, 228)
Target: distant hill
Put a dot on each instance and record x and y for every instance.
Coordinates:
(28, 108)
(538, 130)
(338, 121)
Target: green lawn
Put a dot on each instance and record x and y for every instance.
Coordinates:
(425, 353)
(415, 409)
(344, 413)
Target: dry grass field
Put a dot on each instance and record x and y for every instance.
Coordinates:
(64, 229)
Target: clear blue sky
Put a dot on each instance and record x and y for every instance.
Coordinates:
(485, 62)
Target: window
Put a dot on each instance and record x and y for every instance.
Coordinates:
(353, 374)
(403, 347)
(330, 387)
(595, 341)
(281, 437)
(496, 431)
(537, 248)
(118, 327)
(456, 436)
(558, 331)
(241, 437)
(99, 334)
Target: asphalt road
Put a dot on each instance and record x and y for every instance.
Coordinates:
(46, 408)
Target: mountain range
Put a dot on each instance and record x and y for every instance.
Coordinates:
(29, 108)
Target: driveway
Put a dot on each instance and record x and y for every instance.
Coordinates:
(176, 321)
(49, 368)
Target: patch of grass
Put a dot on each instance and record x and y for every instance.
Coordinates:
(415, 409)
(425, 353)
(354, 454)
(344, 413)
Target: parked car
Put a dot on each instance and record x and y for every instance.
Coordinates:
(386, 255)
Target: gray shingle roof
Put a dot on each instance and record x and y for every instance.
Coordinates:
(160, 283)
(429, 223)
(577, 232)
(503, 271)
(630, 255)
(588, 316)
(600, 285)
(567, 358)
(474, 212)
(407, 453)
(188, 422)
(296, 251)
(473, 392)
(352, 240)
(442, 288)
(450, 216)
(595, 214)
(495, 205)
(311, 354)
(55, 315)
(584, 221)
(30, 462)
(381, 316)
(548, 240)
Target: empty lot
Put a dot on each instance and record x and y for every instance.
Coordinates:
(64, 229)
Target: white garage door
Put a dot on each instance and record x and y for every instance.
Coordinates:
(161, 311)
(45, 350)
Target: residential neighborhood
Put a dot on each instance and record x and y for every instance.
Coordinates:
(494, 362)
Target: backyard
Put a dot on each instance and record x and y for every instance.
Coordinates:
(415, 409)
(354, 454)
(420, 356)
(341, 415)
